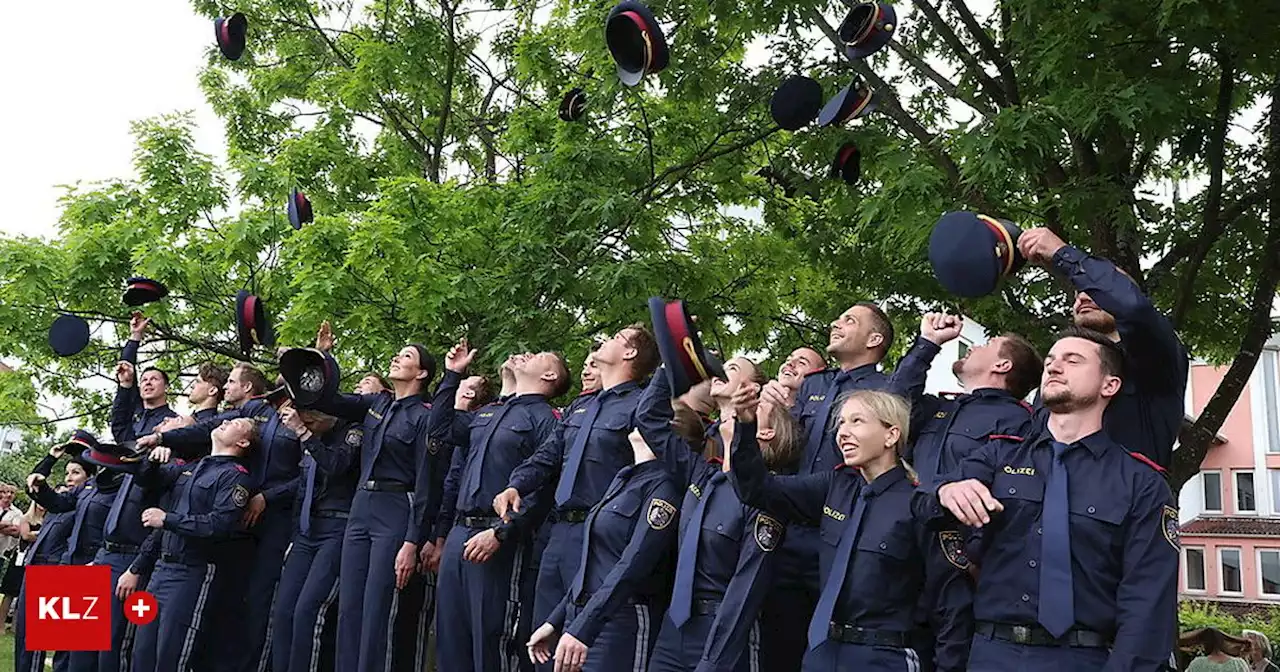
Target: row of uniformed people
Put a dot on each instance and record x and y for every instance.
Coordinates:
(580, 464)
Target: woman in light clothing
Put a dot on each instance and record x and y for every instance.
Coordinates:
(1259, 654)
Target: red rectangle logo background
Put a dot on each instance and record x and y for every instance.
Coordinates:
(77, 613)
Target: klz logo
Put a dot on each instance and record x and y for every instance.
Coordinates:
(68, 608)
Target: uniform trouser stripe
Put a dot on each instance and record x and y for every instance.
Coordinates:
(428, 607)
(753, 647)
(126, 647)
(509, 658)
(391, 630)
(913, 660)
(264, 659)
(317, 633)
(640, 663)
(209, 571)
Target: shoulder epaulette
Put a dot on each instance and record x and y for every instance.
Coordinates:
(1007, 437)
(1146, 460)
(241, 468)
(559, 415)
(179, 461)
(715, 460)
(426, 405)
(838, 467)
(1027, 406)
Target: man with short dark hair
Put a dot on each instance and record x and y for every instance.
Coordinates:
(599, 428)
(1147, 414)
(1080, 567)
(481, 565)
(141, 402)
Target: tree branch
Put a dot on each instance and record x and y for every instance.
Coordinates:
(1213, 225)
(949, 36)
(936, 77)
(437, 156)
(990, 50)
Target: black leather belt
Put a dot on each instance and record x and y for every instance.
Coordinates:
(1035, 635)
(126, 549)
(478, 522)
(852, 634)
(586, 597)
(572, 515)
(386, 486)
(329, 514)
(704, 607)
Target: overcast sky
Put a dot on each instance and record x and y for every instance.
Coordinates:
(76, 73)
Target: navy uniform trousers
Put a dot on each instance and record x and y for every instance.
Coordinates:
(367, 597)
(677, 645)
(32, 661)
(481, 598)
(123, 632)
(182, 593)
(271, 539)
(304, 625)
(557, 568)
(994, 655)
(413, 619)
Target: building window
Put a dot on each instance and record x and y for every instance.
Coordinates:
(1269, 572)
(1212, 482)
(963, 348)
(1275, 489)
(1193, 562)
(1245, 500)
(1271, 398)
(1229, 570)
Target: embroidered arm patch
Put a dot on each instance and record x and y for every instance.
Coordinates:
(661, 513)
(952, 543)
(240, 495)
(1170, 523)
(768, 532)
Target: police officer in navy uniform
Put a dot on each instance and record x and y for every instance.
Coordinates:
(88, 505)
(207, 504)
(273, 480)
(1080, 569)
(207, 391)
(141, 401)
(304, 626)
(50, 547)
(877, 556)
(859, 340)
(995, 376)
(396, 502)
(606, 622)
(1147, 413)
(585, 453)
(726, 559)
(481, 570)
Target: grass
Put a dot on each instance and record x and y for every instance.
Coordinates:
(6, 652)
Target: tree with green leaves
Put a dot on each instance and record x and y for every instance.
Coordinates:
(451, 200)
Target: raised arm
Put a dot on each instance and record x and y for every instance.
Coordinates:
(794, 498)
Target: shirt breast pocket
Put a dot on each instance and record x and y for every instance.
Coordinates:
(403, 434)
(1017, 492)
(624, 505)
(615, 426)
(1096, 524)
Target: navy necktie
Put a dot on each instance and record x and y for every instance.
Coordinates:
(818, 430)
(564, 490)
(475, 463)
(820, 626)
(682, 596)
(82, 508)
(1057, 606)
(117, 505)
(308, 492)
(366, 470)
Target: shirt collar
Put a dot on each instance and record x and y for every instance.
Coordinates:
(620, 388)
(886, 480)
(856, 372)
(1097, 443)
(526, 399)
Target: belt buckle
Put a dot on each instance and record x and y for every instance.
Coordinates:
(370, 485)
(1021, 634)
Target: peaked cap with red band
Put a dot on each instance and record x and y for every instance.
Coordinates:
(310, 375)
(252, 326)
(635, 41)
(972, 253)
(853, 101)
(683, 356)
(847, 164)
(138, 291)
(230, 33)
(116, 457)
(867, 28)
(299, 209)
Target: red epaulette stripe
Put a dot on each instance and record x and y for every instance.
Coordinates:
(1026, 406)
(427, 405)
(1146, 460)
(557, 413)
(715, 460)
(242, 469)
(1010, 437)
(838, 467)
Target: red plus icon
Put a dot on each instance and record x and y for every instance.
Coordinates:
(140, 608)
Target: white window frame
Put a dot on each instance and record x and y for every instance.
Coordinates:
(1204, 501)
(1264, 595)
(1204, 569)
(1222, 579)
(1270, 366)
(1273, 482)
(1235, 492)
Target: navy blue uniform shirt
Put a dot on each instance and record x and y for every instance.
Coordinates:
(896, 553)
(820, 391)
(129, 418)
(335, 458)
(1123, 531)
(947, 429)
(208, 500)
(606, 451)
(1148, 412)
(87, 505)
(205, 414)
(273, 464)
(490, 444)
(397, 449)
(51, 542)
(629, 535)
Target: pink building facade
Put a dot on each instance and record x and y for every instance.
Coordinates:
(1230, 512)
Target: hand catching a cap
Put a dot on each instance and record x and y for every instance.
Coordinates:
(969, 501)
(324, 337)
(124, 374)
(778, 394)
(34, 481)
(160, 454)
(459, 357)
(289, 418)
(1039, 245)
(58, 451)
(138, 326)
(939, 328)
